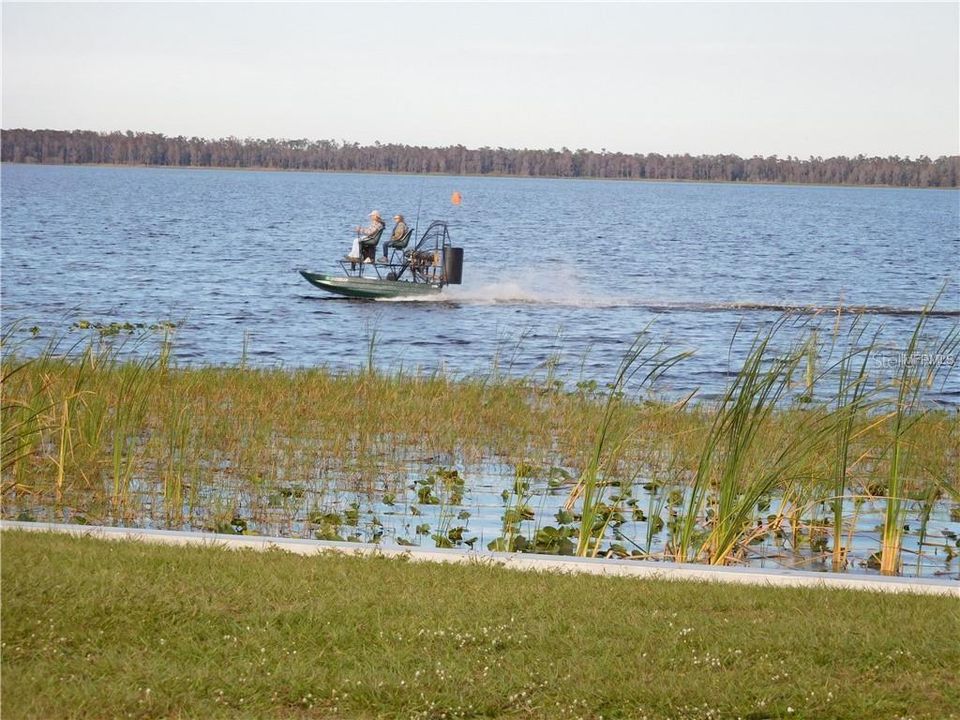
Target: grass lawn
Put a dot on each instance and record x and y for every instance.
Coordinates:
(98, 629)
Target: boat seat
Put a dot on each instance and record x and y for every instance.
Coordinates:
(368, 249)
(368, 245)
(372, 239)
(399, 245)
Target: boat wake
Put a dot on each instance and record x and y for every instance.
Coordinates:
(569, 296)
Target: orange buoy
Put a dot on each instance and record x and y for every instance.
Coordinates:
(456, 198)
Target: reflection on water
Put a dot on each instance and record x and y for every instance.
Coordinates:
(487, 507)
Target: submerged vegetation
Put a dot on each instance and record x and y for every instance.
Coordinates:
(806, 460)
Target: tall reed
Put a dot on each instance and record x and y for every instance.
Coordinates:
(921, 363)
(588, 489)
(731, 480)
(852, 400)
(136, 382)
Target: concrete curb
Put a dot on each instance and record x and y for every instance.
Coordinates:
(516, 561)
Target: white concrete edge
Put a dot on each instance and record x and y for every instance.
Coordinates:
(516, 561)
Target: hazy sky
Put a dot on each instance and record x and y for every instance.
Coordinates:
(791, 79)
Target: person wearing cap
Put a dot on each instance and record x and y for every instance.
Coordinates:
(362, 245)
(397, 236)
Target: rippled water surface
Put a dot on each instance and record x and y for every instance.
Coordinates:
(559, 278)
(554, 268)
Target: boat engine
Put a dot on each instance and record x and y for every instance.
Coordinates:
(453, 265)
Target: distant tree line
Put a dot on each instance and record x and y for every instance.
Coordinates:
(143, 148)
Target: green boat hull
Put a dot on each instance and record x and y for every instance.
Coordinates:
(369, 288)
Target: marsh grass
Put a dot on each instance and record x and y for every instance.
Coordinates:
(101, 436)
(733, 475)
(588, 491)
(907, 413)
(853, 401)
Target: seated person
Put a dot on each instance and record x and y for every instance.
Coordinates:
(397, 236)
(365, 244)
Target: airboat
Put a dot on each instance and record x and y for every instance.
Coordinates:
(423, 270)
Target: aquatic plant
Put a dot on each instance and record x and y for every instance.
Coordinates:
(914, 374)
(104, 435)
(852, 400)
(588, 490)
(744, 458)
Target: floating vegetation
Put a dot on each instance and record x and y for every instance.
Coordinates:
(806, 461)
(116, 328)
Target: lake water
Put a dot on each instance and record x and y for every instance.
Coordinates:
(557, 272)
(559, 278)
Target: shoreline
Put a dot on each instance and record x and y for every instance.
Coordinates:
(527, 562)
(497, 176)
